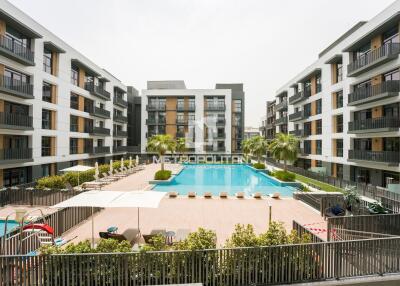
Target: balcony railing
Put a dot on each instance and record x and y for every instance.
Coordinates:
(298, 133)
(154, 121)
(298, 115)
(182, 121)
(100, 112)
(155, 107)
(97, 90)
(16, 87)
(190, 107)
(120, 102)
(120, 133)
(373, 58)
(377, 156)
(282, 105)
(216, 136)
(216, 149)
(180, 135)
(384, 123)
(16, 51)
(374, 92)
(215, 107)
(339, 152)
(100, 131)
(120, 149)
(120, 118)
(101, 149)
(15, 121)
(282, 120)
(16, 154)
(305, 151)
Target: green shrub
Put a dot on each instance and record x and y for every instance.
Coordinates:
(104, 246)
(200, 239)
(157, 243)
(259, 166)
(103, 169)
(162, 175)
(243, 236)
(284, 176)
(51, 182)
(113, 245)
(72, 177)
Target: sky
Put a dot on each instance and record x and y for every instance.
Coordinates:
(260, 43)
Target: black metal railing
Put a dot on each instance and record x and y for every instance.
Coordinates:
(16, 154)
(97, 111)
(298, 115)
(377, 156)
(120, 148)
(361, 93)
(155, 121)
(298, 132)
(216, 136)
(305, 151)
(181, 107)
(97, 90)
(17, 49)
(387, 50)
(120, 118)
(182, 121)
(215, 107)
(300, 96)
(15, 119)
(16, 87)
(282, 105)
(120, 133)
(282, 120)
(154, 107)
(212, 149)
(100, 131)
(120, 101)
(339, 152)
(101, 149)
(374, 123)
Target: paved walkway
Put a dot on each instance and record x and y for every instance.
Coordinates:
(217, 214)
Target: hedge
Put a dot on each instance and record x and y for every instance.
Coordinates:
(162, 175)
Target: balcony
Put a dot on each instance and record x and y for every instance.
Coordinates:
(120, 118)
(117, 149)
(190, 107)
(120, 102)
(100, 131)
(182, 121)
(216, 136)
(8, 156)
(120, 133)
(375, 92)
(15, 121)
(390, 157)
(381, 124)
(220, 122)
(155, 121)
(97, 91)
(282, 120)
(100, 150)
(16, 87)
(300, 96)
(155, 107)
(305, 151)
(298, 115)
(17, 52)
(339, 152)
(374, 58)
(214, 107)
(100, 112)
(282, 105)
(180, 135)
(214, 149)
(297, 133)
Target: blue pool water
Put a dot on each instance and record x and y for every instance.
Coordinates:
(228, 178)
(11, 225)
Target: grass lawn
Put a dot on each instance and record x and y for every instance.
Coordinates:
(324, 187)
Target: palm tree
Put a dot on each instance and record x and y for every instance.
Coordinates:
(161, 144)
(258, 147)
(246, 148)
(284, 147)
(180, 145)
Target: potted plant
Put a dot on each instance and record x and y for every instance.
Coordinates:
(351, 198)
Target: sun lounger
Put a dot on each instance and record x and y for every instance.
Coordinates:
(257, 195)
(207, 195)
(107, 178)
(172, 194)
(275, 195)
(240, 195)
(191, 194)
(223, 195)
(118, 175)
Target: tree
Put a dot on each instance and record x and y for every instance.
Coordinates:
(284, 147)
(246, 148)
(180, 145)
(161, 144)
(258, 147)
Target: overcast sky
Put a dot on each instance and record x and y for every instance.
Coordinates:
(261, 43)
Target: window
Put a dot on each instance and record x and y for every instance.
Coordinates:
(339, 123)
(363, 144)
(192, 103)
(15, 108)
(362, 115)
(88, 105)
(16, 39)
(318, 87)
(339, 171)
(46, 119)
(14, 176)
(180, 118)
(318, 126)
(47, 92)
(47, 61)
(339, 72)
(14, 75)
(73, 145)
(46, 170)
(318, 144)
(339, 99)
(319, 106)
(391, 144)
(362, 52)
(73, 124)
(391, 110)
(393, 75)
(307, 147)
(307, 128)
(46, 146)
(307, 110)
(339, 147)
(180, 104)
(237, 105)
(74, 75)
(391, 36)
(74, 101)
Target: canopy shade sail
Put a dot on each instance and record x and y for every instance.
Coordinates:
(77, 168)
(137, 199)
(99, 199)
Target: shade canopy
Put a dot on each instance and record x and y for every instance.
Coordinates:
(137, 199)
(90, 199)
(77, 168)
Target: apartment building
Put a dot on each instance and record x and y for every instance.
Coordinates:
(345, 105)
(211, 120)
(134, 119)
(57, 108)
(270, 126)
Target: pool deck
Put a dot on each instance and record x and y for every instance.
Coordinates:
(217, 214)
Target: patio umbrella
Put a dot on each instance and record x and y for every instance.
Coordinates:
(122, 162)
(137, 160)
(78, 169)
(111, 166)
(96, 171)
(130, 161)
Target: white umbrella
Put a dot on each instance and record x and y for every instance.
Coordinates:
(122, 162)
(96, 171)
(130, 161)
(137, 160)
(78, 169)
(111, 166)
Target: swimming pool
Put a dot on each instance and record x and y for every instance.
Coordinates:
(224, 177)
(11, 225)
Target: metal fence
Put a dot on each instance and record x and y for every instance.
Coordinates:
(239, 266)
(301, 230)
(320, 201)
